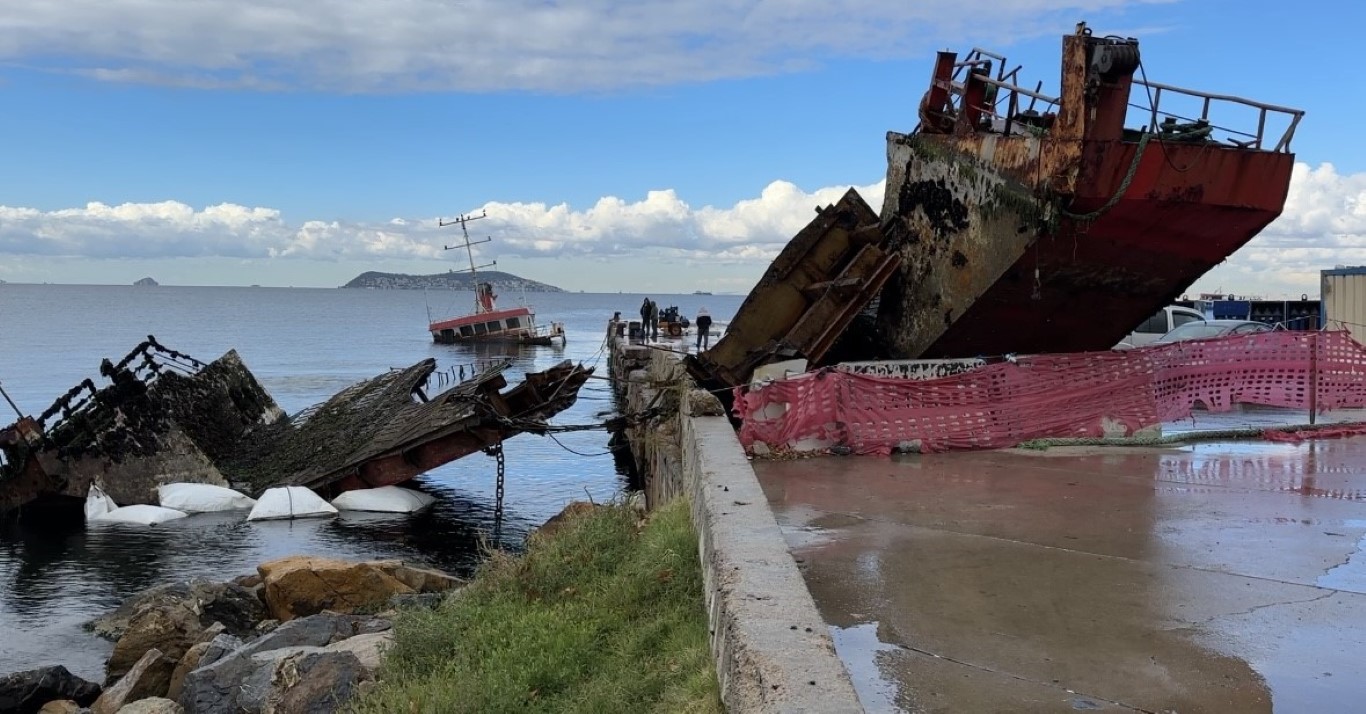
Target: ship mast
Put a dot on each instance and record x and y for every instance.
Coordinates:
(462, 221)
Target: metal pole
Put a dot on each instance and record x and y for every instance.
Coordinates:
(1313, 376)
(13, 406)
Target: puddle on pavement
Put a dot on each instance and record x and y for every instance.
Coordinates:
(858, 647)
(1349, 575)
(1323, 469)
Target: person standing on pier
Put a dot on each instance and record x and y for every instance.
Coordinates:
(645, 319)
(654, 321)
(703, 329)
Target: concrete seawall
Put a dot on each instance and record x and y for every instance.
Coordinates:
(772, 649)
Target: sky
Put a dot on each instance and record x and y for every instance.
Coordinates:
(637, 145)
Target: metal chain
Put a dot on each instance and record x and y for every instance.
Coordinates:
(497, 450)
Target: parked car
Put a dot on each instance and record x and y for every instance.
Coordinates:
(1205, 329)
(1166, 320)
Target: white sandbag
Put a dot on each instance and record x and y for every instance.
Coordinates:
(140, 514)
(385, 499)
(100, 508)
(289, 502)
(97, 503)
(202, 498)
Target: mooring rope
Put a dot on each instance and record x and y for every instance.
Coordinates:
(1119, 193)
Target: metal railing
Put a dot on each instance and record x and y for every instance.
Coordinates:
(1154, 92)
(1255, 140)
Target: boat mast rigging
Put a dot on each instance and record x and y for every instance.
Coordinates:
(463, 220)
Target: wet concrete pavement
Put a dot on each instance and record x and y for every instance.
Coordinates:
(1206, 578)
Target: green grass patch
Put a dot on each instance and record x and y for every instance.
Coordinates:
(605, 614)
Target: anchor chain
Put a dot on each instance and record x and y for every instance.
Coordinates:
(497, 451)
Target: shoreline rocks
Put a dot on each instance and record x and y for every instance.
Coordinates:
(291, 638)
(26, 692)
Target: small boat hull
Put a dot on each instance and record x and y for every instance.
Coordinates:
(538, 340)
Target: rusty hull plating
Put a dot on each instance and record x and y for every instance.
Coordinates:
(165, 417)
(1022, 231)
(1010, 230)
(808, 296)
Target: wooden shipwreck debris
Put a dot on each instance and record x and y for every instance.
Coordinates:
(166, 417)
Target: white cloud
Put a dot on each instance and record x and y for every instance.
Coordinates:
(1323, 225)
(660, 225)
(485, 45)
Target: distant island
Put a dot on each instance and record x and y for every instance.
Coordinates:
(146, 283)
(447, 281)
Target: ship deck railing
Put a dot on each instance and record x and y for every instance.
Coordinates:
(1013, 93)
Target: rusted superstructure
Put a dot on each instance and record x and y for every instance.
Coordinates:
(1032, 223)
(165, 417)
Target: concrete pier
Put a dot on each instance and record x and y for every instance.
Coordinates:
(773, 650)
(1204, 577)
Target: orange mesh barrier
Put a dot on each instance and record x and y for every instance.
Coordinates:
(1089, 394)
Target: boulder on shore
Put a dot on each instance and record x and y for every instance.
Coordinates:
(26, 692)
(237, 607)
(303, 585)
(149, 677)
(174, 618)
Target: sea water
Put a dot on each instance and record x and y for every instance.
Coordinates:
(303, 345)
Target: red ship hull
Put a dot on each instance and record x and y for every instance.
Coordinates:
(1064, 232)
(1097, 281)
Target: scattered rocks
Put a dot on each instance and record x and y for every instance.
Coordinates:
(217, 685)
(208, 648)
(26, 692)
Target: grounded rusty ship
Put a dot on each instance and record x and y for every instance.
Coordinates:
(166, 417)
(1056, 228)
(1018, 222)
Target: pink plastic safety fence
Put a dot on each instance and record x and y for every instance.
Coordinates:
(1087, 394)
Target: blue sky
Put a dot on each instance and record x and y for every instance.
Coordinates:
(616, 145)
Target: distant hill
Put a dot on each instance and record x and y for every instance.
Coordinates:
(146, 282)
(447, 281)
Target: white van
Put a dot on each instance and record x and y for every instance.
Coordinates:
(1166, 320)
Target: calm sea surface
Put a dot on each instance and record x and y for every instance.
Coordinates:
(303, 345)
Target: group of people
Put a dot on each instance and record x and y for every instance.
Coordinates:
(649, 323)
